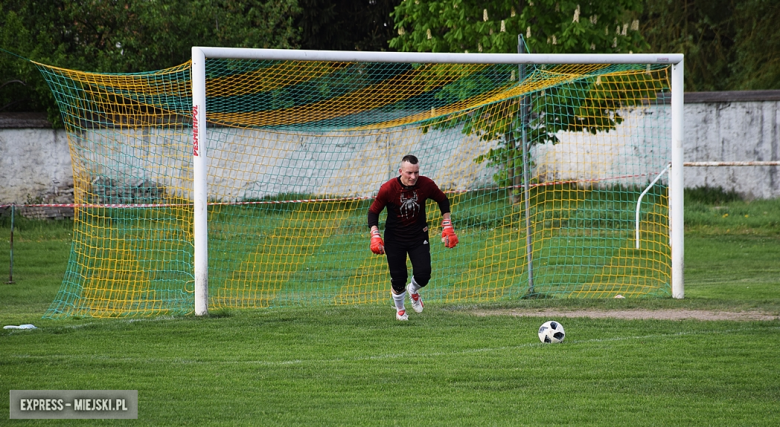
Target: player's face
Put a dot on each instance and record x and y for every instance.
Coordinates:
(409, 173)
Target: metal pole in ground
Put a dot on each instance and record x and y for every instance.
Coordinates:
(521, 48)
(11, 268)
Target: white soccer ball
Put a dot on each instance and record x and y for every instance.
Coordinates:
(551, 332)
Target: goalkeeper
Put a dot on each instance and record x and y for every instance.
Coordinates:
(406, 231)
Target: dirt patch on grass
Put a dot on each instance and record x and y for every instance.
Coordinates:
(635, 314)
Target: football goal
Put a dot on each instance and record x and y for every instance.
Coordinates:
(243, 178)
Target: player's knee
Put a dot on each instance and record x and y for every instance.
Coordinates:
(399, 287)
(422, 279)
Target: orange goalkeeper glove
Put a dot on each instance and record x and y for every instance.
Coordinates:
(377, 244)
(448, 236)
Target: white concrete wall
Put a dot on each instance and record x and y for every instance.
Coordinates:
(633, 153)
(36, 162)
(33, 162)
(736, 131)
(256, 164)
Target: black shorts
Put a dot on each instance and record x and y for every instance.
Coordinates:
(419, 253)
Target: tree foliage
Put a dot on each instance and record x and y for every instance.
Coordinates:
(133, 36)
(126, 36)
(548, 26)
(728, 44)
(346, 24)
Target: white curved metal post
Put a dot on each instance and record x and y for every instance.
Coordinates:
(200, 192)
(639, 202)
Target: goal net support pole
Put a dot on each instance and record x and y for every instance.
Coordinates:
(200, 194)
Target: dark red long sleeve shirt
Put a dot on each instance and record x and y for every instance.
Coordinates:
(406, 206)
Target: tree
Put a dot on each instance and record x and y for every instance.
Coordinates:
(133, 36)
(548, 26)
(126, 36)
(700, 30)
(757, 46)
(728, 44)
(346, 24)
(21, 86)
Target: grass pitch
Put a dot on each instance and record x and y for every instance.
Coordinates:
(450, 365)
(445, 367)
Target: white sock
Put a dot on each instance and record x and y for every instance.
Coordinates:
(414, 287)
(399, 300)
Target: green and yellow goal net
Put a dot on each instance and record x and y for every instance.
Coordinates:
(555, 174)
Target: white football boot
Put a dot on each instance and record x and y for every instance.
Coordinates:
(401, 315)
(417, 303)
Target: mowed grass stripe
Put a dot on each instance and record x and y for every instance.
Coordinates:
(124, 272)
(398, 355)
(265, 272)
(636, 272)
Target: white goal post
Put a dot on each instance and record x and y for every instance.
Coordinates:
(200, 131)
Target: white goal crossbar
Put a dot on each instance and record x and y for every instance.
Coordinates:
(200, 134)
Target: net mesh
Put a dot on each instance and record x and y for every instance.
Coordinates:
(297, 150)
